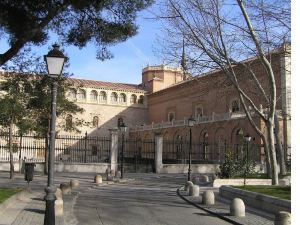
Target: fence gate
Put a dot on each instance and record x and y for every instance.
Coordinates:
(139, 155)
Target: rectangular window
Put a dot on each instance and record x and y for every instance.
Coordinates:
(198, 112)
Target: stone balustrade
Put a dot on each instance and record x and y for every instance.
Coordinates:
(179, 123)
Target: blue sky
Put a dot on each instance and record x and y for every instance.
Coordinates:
(129, 57)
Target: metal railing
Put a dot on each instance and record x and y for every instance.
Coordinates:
(137, 150)
(139, 155)
(179, 123)
(73, 149)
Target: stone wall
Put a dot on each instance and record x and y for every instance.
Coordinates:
(259, 201)
(108, 117)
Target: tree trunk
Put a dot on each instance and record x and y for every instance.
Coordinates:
(270, 134)
(279, 147)
(11, 156)
(267, 156)
(20, 153)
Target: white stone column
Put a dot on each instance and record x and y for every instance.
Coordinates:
(114, 149)
(158, 152)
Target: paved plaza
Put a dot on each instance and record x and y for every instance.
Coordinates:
(142, 199)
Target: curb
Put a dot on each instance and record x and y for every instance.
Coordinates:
(206, 210)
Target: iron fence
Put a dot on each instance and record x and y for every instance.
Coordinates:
(73, 149)
(139, 155)
(141, 150)
(83, 149)
(177, 152)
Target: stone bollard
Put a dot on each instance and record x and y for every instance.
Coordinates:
(187, 185)
(205, 178)
(237, 207)
(194, 190)
(196, 180)
(59, 207)
(208, 197)
(65, 188)
(282, 218)
(74, 183)
(58, 193)
(98, 179)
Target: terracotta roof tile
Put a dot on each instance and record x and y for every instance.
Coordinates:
(109, 85)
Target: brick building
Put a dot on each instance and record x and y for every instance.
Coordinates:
(213, 101)
(167, 97)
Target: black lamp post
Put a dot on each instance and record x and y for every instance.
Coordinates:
(247, 139)
(191, 123)
(55, 60)
(123, 129)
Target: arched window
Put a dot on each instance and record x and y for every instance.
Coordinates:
(95, 121)
(141, 100)
(81, 94)
(69, 121)
(114, 97)
(102, 96)
(72, 94)
(235, 106)
(94, 96)
(122, 98)
(239, 135)
(120, 121)
(133, 99)
(171, 116)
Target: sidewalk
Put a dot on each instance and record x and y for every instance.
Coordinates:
(29, 207)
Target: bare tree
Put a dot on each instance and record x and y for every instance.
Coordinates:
(221, 35)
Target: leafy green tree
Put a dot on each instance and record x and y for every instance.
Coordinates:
(36, 97)
(40, 106)
(13, 105)
(76, 22)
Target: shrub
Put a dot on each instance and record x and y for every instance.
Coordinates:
(236, 166)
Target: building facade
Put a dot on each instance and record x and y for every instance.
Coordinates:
(105, 105)
(214, 103)
(168, 97)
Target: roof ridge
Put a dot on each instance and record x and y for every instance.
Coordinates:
(106, 84)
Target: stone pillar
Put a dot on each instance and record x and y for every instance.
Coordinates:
(158, 152)
(187, 185)
(194, 190)
(282, 218)
(114, 149)
(237, 207)
(208, 197)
